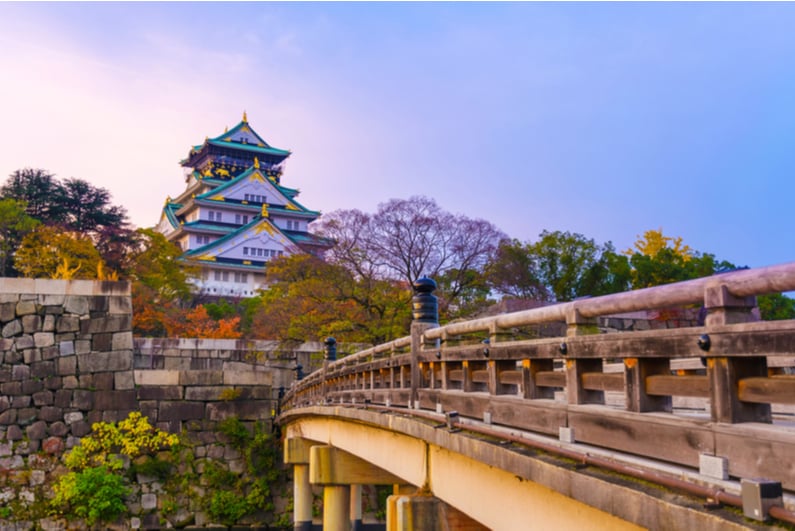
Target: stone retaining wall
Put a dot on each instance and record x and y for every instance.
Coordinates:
(68, 359)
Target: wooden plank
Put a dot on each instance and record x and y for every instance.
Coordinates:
(777, 389)
(456, 375)
(540, 416)
(511, 377)
(480, 376)
(551, 379)
(670, 385)
(758, 451)
(653, 435)
(600, 381)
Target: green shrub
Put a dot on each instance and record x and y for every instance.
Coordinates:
(227, 507)
(95, 494)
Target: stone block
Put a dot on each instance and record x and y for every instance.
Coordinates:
(72, 417)
(108, 400)
(48, 325)
(106, 324)
(13, 328)
(156, 377)
(248, 378)
(104, 361)
(159, 393)
(98, 305)
(20, 401)
(25, 308)
(70, 382)
(7, 417)
(49, 353)
(207, 394)
(5, 403)
(101, 342)
(58, 429)
(149, 501)
(8, 310)
(49, 299)
(43, 398)
(256, 393)
(248, 410)
(66, 348)
(32, 386)
(31, 323)
(53, 310)
(13, 462)
(81, 428)
(181, 411)
(31, 355)
(36, 431)
(83, 399)
(5, 449)
(179, 364)
(78, 305)
(53, 446)
(122, 305)
(51, 413)
(43, 339)
(26, 416)
(53, 383)
(68, 323)
(25, 342)
(63, 398)
(82, 346)
(11, 357)
(123, 380)
(103, 381)
(66, 366)
(11, 388)
(20, 372)
(201, 378)
(122, 341)
(42, 369)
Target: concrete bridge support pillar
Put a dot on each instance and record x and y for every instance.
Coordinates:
(337, 470)
(296, 452)
(426, 513)
(356, 507)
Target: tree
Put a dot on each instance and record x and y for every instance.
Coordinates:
(14, 225)
(42, 194)
(309, 299)
(571, 266)
(87, 208)
(660, 259)
(48, 252)
(409, 238)
(513, 272)
(776, 306)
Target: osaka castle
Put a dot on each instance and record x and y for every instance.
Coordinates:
(235, 215)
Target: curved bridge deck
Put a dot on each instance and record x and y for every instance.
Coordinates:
(713, 403)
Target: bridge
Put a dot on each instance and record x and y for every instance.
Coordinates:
(492, 423)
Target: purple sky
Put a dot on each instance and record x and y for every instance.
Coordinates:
(606, 119)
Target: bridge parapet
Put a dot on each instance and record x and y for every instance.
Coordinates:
(621, 391)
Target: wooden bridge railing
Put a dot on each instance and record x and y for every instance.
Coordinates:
(615, 390)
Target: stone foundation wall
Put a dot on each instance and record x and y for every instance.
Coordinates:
(68, 359)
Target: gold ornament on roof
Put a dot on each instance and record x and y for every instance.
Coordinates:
(256, 162)
(264, 210)
(245, 118)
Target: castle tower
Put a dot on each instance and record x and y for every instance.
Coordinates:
(234, 215)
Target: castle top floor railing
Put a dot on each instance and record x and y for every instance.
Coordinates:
(723, 388)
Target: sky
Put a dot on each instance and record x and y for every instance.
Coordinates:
(605, 119)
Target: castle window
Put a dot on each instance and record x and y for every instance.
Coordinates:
(245, 251)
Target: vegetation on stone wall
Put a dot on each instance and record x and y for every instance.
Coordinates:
(131, 470)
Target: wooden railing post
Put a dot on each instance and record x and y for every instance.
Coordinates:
(725, 372)
(425, 315)
(577, 325)
(329, 357)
